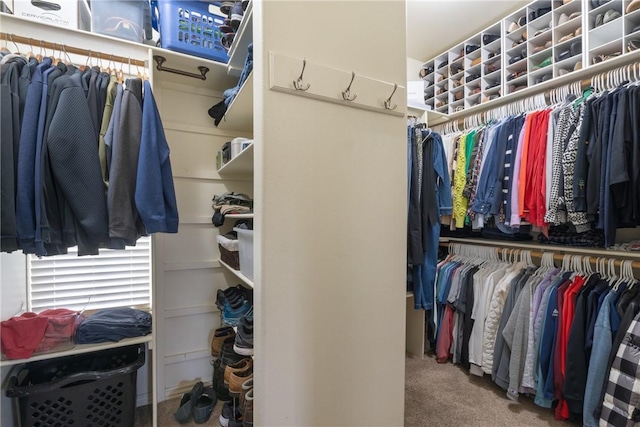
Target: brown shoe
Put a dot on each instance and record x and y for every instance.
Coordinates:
(246, 386)
(219, 335)
(248, 410)
(237, 379)
(243, 365)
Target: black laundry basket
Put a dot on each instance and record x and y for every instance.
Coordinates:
(87, 390)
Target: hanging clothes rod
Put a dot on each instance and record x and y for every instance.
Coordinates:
(538, 249)
(34, 43)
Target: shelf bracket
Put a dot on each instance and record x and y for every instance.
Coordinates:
(161, 59)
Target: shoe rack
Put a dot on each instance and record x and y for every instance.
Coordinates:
(541, 41)
(612, 25)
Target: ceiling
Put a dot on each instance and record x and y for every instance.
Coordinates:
(435, 25)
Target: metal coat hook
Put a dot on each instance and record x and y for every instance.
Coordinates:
(346, 94)
(298, 84)
(387, 102)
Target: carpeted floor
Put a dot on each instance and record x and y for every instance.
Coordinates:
(445, 395)
(435, 395)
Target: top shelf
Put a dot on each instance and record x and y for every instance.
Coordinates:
(217, 74)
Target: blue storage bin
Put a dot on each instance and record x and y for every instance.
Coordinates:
(189, 27)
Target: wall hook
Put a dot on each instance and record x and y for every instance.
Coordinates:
(298, 84)
(346, 94)
(387, 103)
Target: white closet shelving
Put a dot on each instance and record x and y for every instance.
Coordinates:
(538, 44)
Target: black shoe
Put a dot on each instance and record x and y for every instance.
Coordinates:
(221, 391)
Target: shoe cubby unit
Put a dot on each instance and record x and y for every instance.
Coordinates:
(428, 75)
(539, 42)
(614, 29)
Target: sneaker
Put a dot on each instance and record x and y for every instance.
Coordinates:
(248, 410)
(243, 343)
(227, 413)
(228, 294)
(219, 335)
(231, 316)
(241, 366)
(227, 355)
(236, 15)
(246, 386)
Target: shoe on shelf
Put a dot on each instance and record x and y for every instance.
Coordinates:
(236, 15)
(236, 379)
(243, 365)
(222, 392)
(203, 407)
(187, 403)
(226, 6)
(219, 335)
(228, 412)
(248, 409)
(633, 6)
(243, 343)
(246, 386)
(227, 355)
(232, 315)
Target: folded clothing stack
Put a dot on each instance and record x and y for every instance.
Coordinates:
(114, 324)
(229, 203)
(29, 333)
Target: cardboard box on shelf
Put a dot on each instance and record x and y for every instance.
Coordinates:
(64, 13)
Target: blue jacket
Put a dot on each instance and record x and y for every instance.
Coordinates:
(443, 189)
(25, 194)
(155, 195)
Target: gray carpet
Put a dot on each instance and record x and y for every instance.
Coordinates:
(445, 395)
(435, 395)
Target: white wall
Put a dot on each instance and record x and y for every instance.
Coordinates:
(331, 223)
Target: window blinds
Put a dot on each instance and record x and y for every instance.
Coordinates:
(115, 278)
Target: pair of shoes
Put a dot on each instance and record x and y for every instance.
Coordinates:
(219, 335)
(571, 35)
(599, 58)
(535, 14)
(545, 63)
(489, 38)
(543, 78)
(608, 16)
(566, 18)
(199, 403)
(574, 49)
(243, 343)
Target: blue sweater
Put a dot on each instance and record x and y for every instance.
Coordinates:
(155, 195)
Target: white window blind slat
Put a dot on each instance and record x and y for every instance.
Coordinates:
(115, 278)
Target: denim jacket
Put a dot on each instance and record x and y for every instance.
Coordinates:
(443, 189)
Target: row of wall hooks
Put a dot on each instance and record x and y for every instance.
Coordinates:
(301, 77)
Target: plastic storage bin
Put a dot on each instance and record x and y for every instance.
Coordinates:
(89, 390)
(130, 20)
(245, 246)
(189, 27)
